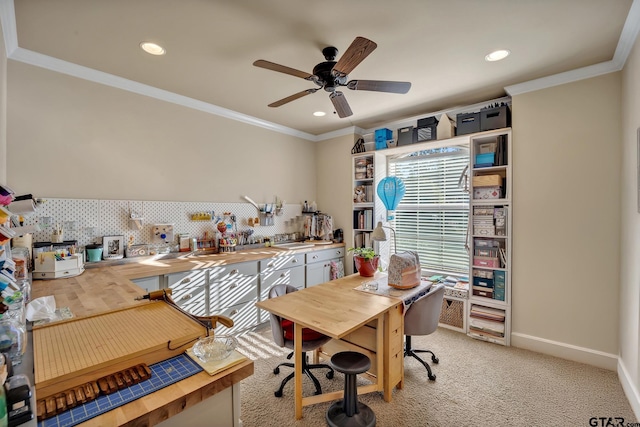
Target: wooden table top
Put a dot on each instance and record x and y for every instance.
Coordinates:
(97, 290)
(351, 308)
(153, 267)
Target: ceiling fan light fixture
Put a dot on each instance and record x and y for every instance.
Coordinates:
(319, 113)
(152, 48)
(497, 55)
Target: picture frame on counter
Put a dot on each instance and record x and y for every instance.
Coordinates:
(112, 247)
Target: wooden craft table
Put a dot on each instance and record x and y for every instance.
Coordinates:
(360, 321)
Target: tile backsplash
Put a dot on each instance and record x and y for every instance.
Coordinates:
(87, 220)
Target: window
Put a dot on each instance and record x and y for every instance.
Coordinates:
(432, 217)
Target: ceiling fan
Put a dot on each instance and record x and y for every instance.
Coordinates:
(330, 75)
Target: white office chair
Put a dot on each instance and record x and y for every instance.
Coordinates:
(422, 319)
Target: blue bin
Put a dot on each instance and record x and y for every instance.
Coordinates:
(486, 159)
(382, 136)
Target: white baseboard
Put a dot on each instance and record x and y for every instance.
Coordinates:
(629, 389)
(565, 351)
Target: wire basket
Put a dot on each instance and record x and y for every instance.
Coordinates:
(452, 313)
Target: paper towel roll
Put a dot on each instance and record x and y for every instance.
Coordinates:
(23, 207)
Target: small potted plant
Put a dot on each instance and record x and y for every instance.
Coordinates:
(366, 261)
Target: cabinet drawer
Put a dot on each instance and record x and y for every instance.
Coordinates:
(186, 279)
(324, 255)
(223, 272)
(291, 276)
(244, 316)
(364, 337)
(192, 300)
(233, 290)
(281, 262)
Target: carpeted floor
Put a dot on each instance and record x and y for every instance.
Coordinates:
(478, 384)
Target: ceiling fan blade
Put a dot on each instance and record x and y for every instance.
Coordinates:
(340, 104)
(356, 53)
(379, 86)
(282, 69)
(292, 97)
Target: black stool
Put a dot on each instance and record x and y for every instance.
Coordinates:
(349, 412)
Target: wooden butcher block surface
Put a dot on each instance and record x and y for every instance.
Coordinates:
(97, 290)
(80, 350)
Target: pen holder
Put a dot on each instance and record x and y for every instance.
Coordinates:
(266, 218)
(57, 237)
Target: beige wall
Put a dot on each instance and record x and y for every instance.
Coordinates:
(566, 163)
(630, 237)
(333, 162)
(3, 110)
(73, 138)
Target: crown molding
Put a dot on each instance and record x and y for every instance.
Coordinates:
(14, 52)
(8, 22)
(79, 71)
(627, 39)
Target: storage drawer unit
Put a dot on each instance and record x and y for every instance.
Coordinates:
(325, 255)
(281, 262)
(289, 276)
(189, 290)
(244, 316)
(232, 284)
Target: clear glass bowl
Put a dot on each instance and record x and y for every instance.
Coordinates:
(210, 349)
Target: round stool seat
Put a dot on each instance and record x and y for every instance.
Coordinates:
(348, 412)
(350, 362)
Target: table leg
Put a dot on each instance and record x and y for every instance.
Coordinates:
(297, 362)
(382, 354)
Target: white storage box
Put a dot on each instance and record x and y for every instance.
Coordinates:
(47, 266)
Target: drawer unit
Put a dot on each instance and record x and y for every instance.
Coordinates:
(281, 262)
(189, 290)
(325, 255)
(244, 316)
(225, 272)
(291, 276)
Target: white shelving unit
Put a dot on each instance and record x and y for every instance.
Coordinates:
(490, 225)
(364, 194)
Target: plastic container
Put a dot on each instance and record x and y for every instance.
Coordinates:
(94, 252)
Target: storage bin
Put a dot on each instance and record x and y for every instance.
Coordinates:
(467, 123)
(382, 136)
(487, 193)
(484, 160)
(406, 135)
(452, 313)
(487, 181)
(427, 129)
(495, 118)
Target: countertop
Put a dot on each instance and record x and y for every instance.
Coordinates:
(101, 289)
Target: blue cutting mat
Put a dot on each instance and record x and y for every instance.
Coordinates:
(163, 374)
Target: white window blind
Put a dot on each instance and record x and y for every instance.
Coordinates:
(432, 217)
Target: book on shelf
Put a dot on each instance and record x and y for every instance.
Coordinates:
(488, 313)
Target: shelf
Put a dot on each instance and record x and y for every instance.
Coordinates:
(485, 236)
(490, 201)
(363, 205)
(363, 180)
(487, 302)
(501, 168)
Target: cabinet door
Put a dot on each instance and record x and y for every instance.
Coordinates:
(189, 290)
(290, 276)
(315, 274)
(148, 283)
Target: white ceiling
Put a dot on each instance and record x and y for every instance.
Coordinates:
(438, 46)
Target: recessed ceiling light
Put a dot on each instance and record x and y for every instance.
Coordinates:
(497, 55)
(152, 48)
(319, 113)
